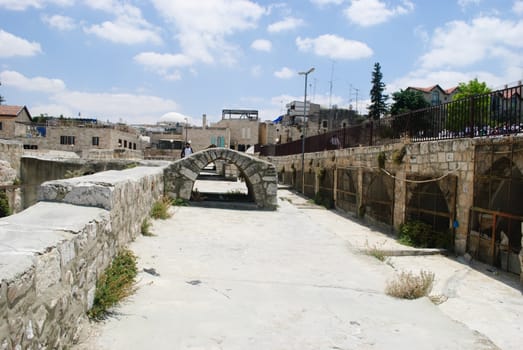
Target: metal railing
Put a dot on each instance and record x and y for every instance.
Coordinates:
(497, 113)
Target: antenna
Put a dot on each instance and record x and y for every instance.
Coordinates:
(330, 85)
(351, 93)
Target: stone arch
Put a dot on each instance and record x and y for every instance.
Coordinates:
(260, 176)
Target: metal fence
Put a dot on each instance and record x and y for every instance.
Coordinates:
(497, 113)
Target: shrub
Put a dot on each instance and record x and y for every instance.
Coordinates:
(146, 228)
(420, 234)
(160, 209)
(381, 159)
(115, 284)
(5, 210)
(397, 155)
(376, 251)
(407, 285)
(325, 201)
(179, 202)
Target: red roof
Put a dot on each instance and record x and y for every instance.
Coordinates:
(430, 88)
(10, 111)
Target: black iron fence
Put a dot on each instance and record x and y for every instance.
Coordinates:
(497, 113)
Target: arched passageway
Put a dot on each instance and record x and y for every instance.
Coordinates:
(260, 176)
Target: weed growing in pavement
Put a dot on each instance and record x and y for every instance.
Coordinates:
(115, 284)
(407, 285)
(146, 228)
(179, 202)
(160, 209)
(375, 251)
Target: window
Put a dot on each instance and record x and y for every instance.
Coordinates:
(96, 141)
(67, 140)
(324, 124)
(246, 133)
(124, 143)
(119, 142)
(0, 126)
(134, 146)
(435, 98)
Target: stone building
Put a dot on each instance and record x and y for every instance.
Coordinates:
(435, 94)
(78, 137)
(74, 135)
(167, 139)
(14, 121)
(243, 125)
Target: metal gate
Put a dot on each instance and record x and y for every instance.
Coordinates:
(433, 202)
(496, 218)
(378, 197)
(346, 191)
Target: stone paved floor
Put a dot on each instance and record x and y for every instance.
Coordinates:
(298, 278)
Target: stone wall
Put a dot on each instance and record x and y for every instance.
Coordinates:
(427, 160)
(11, 152)
(450, 164)
(53, 252)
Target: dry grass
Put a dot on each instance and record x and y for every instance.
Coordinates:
(376, 250)
(160, 209)
(407, 285)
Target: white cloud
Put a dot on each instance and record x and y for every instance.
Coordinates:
(334, 47)
(367, 13)
(129, 27)
(288, 23)
(131, 108)
(285, 73)
(60, 22)
(40, 84)
(163, 63)
(203, 26)
(20, 5)
(11, 45)
(459, 44)
(262, 45)
(326, 2)
(518, 7)
(124, 32)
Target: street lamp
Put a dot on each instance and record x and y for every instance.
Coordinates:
(303, 131)
(186, 130)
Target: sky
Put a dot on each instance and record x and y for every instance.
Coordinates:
(147, 61)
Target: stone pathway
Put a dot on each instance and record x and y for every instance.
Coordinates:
(297, 279)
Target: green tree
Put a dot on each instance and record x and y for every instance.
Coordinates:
(470, 104)
(472, 88)
(2, 99)
(378, 105)
(406, 101)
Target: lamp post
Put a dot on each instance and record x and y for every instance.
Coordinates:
(303, 130)
(185, 131)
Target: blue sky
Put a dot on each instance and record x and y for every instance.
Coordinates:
(144, 61)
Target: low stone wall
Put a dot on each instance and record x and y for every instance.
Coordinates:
(53, 252)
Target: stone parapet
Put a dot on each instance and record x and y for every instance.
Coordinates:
(53, 252)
